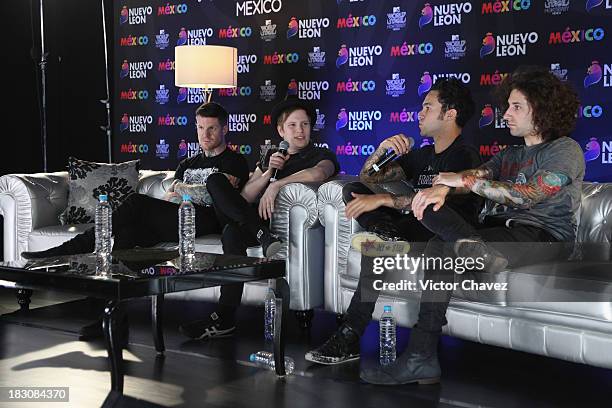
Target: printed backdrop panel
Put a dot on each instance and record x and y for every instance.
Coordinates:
(365, 64)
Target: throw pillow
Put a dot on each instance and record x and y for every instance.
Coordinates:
(88, 180)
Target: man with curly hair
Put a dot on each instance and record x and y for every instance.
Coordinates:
(532, 194)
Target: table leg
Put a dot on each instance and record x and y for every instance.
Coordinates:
(280, 319)
(113, 315)
(157, 303)
(23, 298)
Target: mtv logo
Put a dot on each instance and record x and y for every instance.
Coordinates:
(396, 9)
(455, 37)
(162, 141)
(316, 49)
(268, 82)
(268, 22)
(162, 87)
(161, 32)
(395, 76)
(554, 67)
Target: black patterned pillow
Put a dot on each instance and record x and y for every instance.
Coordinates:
(88, 180)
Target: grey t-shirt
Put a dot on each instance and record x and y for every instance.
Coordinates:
(519, 164)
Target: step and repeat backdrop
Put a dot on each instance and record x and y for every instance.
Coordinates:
(366, 65)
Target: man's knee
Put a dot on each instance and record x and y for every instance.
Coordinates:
(354, 187)
(233, 239)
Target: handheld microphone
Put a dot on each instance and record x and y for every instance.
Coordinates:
(389, 157)
(283, 147)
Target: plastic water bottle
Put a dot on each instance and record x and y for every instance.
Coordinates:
(266, 359)
(186, 227)
(103, 232)
(387, 337)
(269, 312)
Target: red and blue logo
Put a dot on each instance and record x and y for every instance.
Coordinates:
(293, 28)
(593, 150)
(182, 95)
(123, 16)
(426, 15)
(182, 37)
(594, 74)
(343, 56)
(591, 4)
(488, 45)
(425, 84)
(125, 69)
(486, 116)
(342, 119)
(292, 88)
(125, 122)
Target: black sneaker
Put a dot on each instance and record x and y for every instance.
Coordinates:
(214, 326)
(342, 346)
(474, 248)
(270, 243)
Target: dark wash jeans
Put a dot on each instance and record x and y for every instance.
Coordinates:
(359, 312)
(448, 227)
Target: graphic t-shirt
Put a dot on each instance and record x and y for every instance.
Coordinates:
(196, 169)
(422, 165)
(306, 158)
(555, 214)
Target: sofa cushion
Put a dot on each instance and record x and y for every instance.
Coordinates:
(88, 180)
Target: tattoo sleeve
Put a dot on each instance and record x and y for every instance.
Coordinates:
(402, 202)
(543, 185)
(469, 177)
(391, 172)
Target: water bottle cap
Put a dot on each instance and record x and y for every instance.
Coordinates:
(103, 197)
(387, 308)
(252, 357)
(186, 197)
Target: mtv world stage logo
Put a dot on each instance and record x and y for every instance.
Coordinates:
(396, 20)
(268, 31)
(316, 58)
(396, 86)
(162, 40)
(455, 48)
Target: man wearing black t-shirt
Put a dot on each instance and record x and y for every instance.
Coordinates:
(246, 215)
(142, 220)
(446, 109)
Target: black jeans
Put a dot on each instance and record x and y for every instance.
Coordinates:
(145, 221)
(359, 312)
(241, 222)
(449, 226)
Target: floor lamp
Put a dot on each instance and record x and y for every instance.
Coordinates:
(206, 67)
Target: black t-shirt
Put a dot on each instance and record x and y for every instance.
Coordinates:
(422, 165)
(196, 169)
(306, 158)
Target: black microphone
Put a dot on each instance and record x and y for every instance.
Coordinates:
(389, 157)
(283, 147)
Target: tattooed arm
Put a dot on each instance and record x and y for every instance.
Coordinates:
(392, 171)
(541, 186)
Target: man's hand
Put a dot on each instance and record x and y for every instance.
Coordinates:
(266, 204)
(234, 181)
(449, 179)
(362, 203)
(172, 197)
(399, 143)
(435, 195)
(277, 161)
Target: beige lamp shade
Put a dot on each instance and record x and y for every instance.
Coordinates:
(205, 66)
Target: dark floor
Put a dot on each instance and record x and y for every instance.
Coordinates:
(40, 348)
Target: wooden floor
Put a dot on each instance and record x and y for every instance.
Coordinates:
(39, 348)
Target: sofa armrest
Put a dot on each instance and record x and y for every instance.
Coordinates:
(28, 202)
(339, 229)
(295, 220)
(154, 183)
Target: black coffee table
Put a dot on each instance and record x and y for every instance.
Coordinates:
(145, 272)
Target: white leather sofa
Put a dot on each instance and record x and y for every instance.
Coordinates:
(569, 315)
(31, 203)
